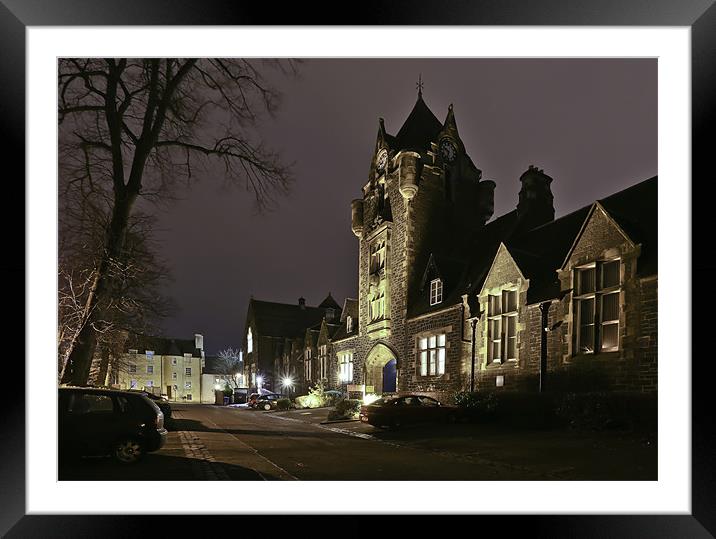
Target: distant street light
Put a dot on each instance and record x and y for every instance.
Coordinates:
(287, 384)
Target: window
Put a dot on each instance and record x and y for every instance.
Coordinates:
(596, 306)
(188, 396)
(174, 376)
(187, 358)
(187, 384)
(323, 360)
(133, 351)
(132, 384)
(330, 314)
(436, 291)
(149, 383)
(349, 324)
(502, 326)
(150, 355)
(307, 364)
(377, 256)
(88, 403)
(345, 362)
(132, 367)
(187, 371)
(432, 355)
(150, 369)
(377, 305)
(249, 342)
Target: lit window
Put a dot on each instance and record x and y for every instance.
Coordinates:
(323, 360)
(349, 324)
(432, 355)
(150, 369)
(187, 384)
(150, 355)
(596, 307)
(149, 383)
(307, 365)
(132, 384)
(249, 342)
(502, 326)
(187, 371)
(346, 366)
(436, 291)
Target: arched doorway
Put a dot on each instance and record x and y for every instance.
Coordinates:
(381, 369)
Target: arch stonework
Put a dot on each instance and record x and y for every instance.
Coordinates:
(378, 357)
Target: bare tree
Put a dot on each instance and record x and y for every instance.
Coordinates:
(132, 129)
(229, 362)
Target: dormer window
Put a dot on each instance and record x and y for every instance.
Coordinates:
(349, 324)
(330, 314)
(436, 291)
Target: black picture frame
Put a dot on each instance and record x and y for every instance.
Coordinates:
(16, 15)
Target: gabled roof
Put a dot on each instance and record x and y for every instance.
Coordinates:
(284, 319)
(350, 308)
(329, 303)
(419, 129)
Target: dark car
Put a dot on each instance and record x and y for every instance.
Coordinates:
(123, 424)
(408, 409)
(267, 402)
(161, 402)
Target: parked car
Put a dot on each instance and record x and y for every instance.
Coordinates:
(268, 402)
(252, 400)
(159, 401)
(123, 424)
(408, 409)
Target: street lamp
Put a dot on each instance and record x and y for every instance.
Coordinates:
(287, 384)
(259, 381)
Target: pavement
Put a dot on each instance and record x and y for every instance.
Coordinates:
(209, 442)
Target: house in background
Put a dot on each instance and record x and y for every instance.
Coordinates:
(214, 377)
(160, 365)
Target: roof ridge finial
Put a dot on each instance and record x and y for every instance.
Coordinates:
(419, 85)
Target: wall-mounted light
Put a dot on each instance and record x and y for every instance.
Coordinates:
(499, 381)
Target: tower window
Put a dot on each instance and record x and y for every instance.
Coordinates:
(436, 291)
(249, 342)
(349, 324)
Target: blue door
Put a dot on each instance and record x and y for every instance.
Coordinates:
(389, 377)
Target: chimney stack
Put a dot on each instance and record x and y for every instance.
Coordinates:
(302, 302)
(198, 341)
(536, 203)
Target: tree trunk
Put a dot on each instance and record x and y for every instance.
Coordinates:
(78, 365)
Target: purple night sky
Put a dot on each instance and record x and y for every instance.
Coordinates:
(591, 124)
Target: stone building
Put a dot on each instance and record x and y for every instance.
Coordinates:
(288, 341)
(451, 299)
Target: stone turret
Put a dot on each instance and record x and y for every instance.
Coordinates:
(408, 174)
(357, 217)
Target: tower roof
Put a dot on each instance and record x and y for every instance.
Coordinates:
(420, 128)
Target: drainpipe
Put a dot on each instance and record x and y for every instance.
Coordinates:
(544, 308)
(472, 368)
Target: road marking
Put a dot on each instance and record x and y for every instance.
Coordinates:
(255, 451)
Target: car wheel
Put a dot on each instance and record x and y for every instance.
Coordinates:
(128, 451)
(267, 406)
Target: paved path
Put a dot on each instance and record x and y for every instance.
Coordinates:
(220, 443)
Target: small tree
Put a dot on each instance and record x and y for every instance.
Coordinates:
(229, 363)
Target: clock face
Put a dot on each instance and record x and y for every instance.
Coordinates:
(448, 150)
(382, 159)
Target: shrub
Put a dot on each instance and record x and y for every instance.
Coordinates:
(283, 404)
(608, 410)
(348, 408)
(480, 406)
